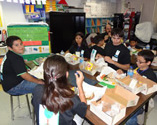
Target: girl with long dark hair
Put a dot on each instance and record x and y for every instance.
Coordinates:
(56, 95)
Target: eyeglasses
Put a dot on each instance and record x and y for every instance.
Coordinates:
(140, 62)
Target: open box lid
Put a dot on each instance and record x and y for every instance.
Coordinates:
(144, 80)
(126, 80)
(122, 96)
(149, 85)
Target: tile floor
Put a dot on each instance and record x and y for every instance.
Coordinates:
(22, 115)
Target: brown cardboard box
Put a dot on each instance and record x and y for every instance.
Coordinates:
(149, 85)
(118, 95)
(143, 85)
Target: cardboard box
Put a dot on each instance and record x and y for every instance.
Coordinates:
(125, 82)
(118, 95)
(149, 85)
(144, 85)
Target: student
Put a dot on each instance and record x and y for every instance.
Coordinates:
(116, 54)
(14, 75)
(107, 34)
(133, 43)
(56, 95)
(144, 60)
(99, 42)
(79, 44)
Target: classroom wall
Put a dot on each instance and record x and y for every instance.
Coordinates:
(147, 8)
(12, 13)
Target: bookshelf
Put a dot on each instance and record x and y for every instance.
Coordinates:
(96, 25)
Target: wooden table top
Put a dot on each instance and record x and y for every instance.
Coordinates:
(130, 111)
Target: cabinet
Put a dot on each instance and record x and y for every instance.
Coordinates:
(63, 27)
(97, 25)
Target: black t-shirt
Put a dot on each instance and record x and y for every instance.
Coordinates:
(99, 50)
(12, 67)
(75, 48)
(148, 73)
(65, 118)
(118, 53)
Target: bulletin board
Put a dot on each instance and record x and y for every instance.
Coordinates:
(34, 37)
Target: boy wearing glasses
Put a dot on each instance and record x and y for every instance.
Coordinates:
(144, 60)
(116, 54)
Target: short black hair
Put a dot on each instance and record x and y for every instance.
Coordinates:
(11, 39)
(97, 39)
(133, 39)
(117, 31)
(148, 55)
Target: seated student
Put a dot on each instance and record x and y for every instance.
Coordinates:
(142, 67)
(79, 44)
(133, 43)
(99, 42)
(107, 34)
(144, 60)
(56, 95)
(15, 78)
(116, 54)
(89, 39)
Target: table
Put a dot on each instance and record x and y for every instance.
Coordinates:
(129, 112)
(144, 99)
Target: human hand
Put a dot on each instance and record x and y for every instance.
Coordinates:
(119, 71)
(136, 75)
(98, 56)
(106, 37)
(40, 81)
(79, 78)
(108, 59)
(109, 34)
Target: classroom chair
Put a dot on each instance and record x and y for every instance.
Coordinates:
(12, 104)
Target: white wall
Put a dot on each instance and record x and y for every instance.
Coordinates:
(11, 13)
(145, 6)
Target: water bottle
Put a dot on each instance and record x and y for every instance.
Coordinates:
(129, 47)
(81, 58)
(148, 47)
(62, 52)
(130, 72)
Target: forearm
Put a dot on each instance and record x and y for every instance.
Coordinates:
(30, 78)
(82, 95)
(122, 66)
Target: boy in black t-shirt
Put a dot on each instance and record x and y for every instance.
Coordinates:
(116, 54)
(99, 42)
(15, 79)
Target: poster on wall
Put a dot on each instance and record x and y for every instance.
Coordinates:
(34, 13)
(36, 49)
